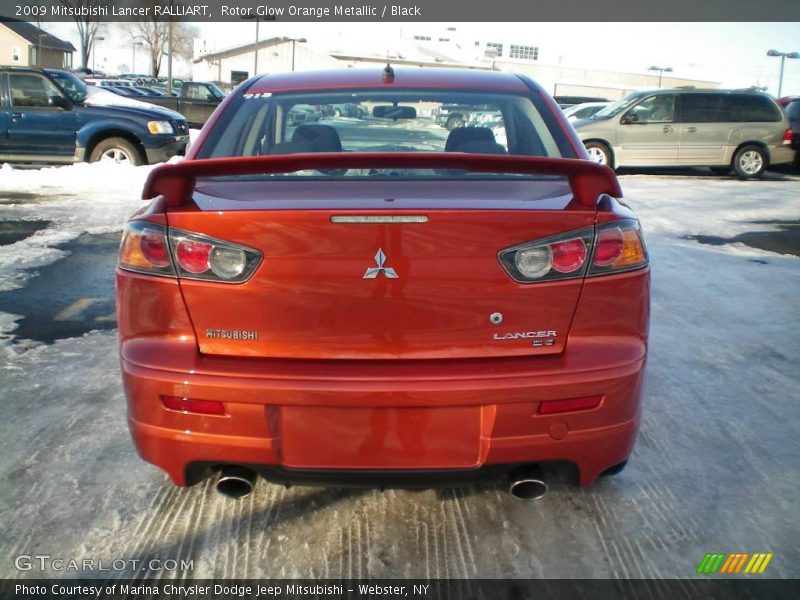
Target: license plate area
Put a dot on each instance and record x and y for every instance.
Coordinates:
(380, 438)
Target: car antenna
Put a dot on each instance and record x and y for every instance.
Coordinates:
(388, 73)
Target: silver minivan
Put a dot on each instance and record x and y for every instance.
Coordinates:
(726, 130)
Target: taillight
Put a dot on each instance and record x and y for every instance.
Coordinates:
(193, 257)
(614, 247)
(568, 256)
(610, 243)
(145, 249)
(559, 257)
(619, 247)
(157, 250)
(209, 259)
(787, 136)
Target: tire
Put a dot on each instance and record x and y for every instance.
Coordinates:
(117, 149)
(720, 170)
(599, 153)
(750, 162)
(454, 123)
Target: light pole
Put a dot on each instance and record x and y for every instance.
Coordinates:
(94, 50)
(661, 71)
(294, 41)
(251, 17)
(784, 56)
(133, 58)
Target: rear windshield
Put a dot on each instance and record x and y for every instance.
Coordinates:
(387, 121)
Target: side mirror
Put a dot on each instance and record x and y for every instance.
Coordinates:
(58, 101)
(630, 118)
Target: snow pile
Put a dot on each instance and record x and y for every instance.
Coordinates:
(91, 198)
(99, 97)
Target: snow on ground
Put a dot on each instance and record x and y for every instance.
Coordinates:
(91, 198)
(688, 205)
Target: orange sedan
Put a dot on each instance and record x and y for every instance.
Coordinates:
(377, 300)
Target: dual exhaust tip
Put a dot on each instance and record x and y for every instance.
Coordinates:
(236, 482)
(527, 483)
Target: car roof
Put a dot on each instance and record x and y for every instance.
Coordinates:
(431, 78)
(687, 90)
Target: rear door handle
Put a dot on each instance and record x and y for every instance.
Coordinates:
(16, 115)
(691, 129)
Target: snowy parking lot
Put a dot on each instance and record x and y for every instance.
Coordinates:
(716, 467)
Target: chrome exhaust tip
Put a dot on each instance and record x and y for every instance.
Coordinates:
(236, 482)
(528, 484)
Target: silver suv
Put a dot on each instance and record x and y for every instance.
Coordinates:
(722, 129)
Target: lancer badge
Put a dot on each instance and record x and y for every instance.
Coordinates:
(380, 259)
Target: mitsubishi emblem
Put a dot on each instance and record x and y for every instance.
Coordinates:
(380, 259)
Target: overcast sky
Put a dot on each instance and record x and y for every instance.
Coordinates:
(732, 53)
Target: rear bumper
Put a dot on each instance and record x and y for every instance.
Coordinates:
(392, 410)
(781, 154)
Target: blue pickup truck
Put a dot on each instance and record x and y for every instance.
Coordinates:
(45, 118)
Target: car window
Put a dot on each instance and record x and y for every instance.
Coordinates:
(197, 92)
(72, 85)
(31, 90)
(752, 108)
(655, 109)
(384, 121)
(615, 108)
(703, 108)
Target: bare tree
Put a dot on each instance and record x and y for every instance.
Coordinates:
(88, 26)
(154, 34)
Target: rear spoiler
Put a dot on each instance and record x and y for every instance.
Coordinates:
(175, 182)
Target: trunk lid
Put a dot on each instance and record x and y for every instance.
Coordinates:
(332, 288)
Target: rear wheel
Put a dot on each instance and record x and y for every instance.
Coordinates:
(750, 162)
(118, 150)
(599, 153)
(454, 123)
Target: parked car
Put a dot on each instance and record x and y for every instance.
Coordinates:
(108, 82)
(303, 113)
(347, 109)
(584, 110)
(44, 118)
(196, 101)
(121, 91)
(386, 307)
(147, 91)
(726, 130)
(127, 90)
(567, 101)
(452, 116)
(484, 118)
